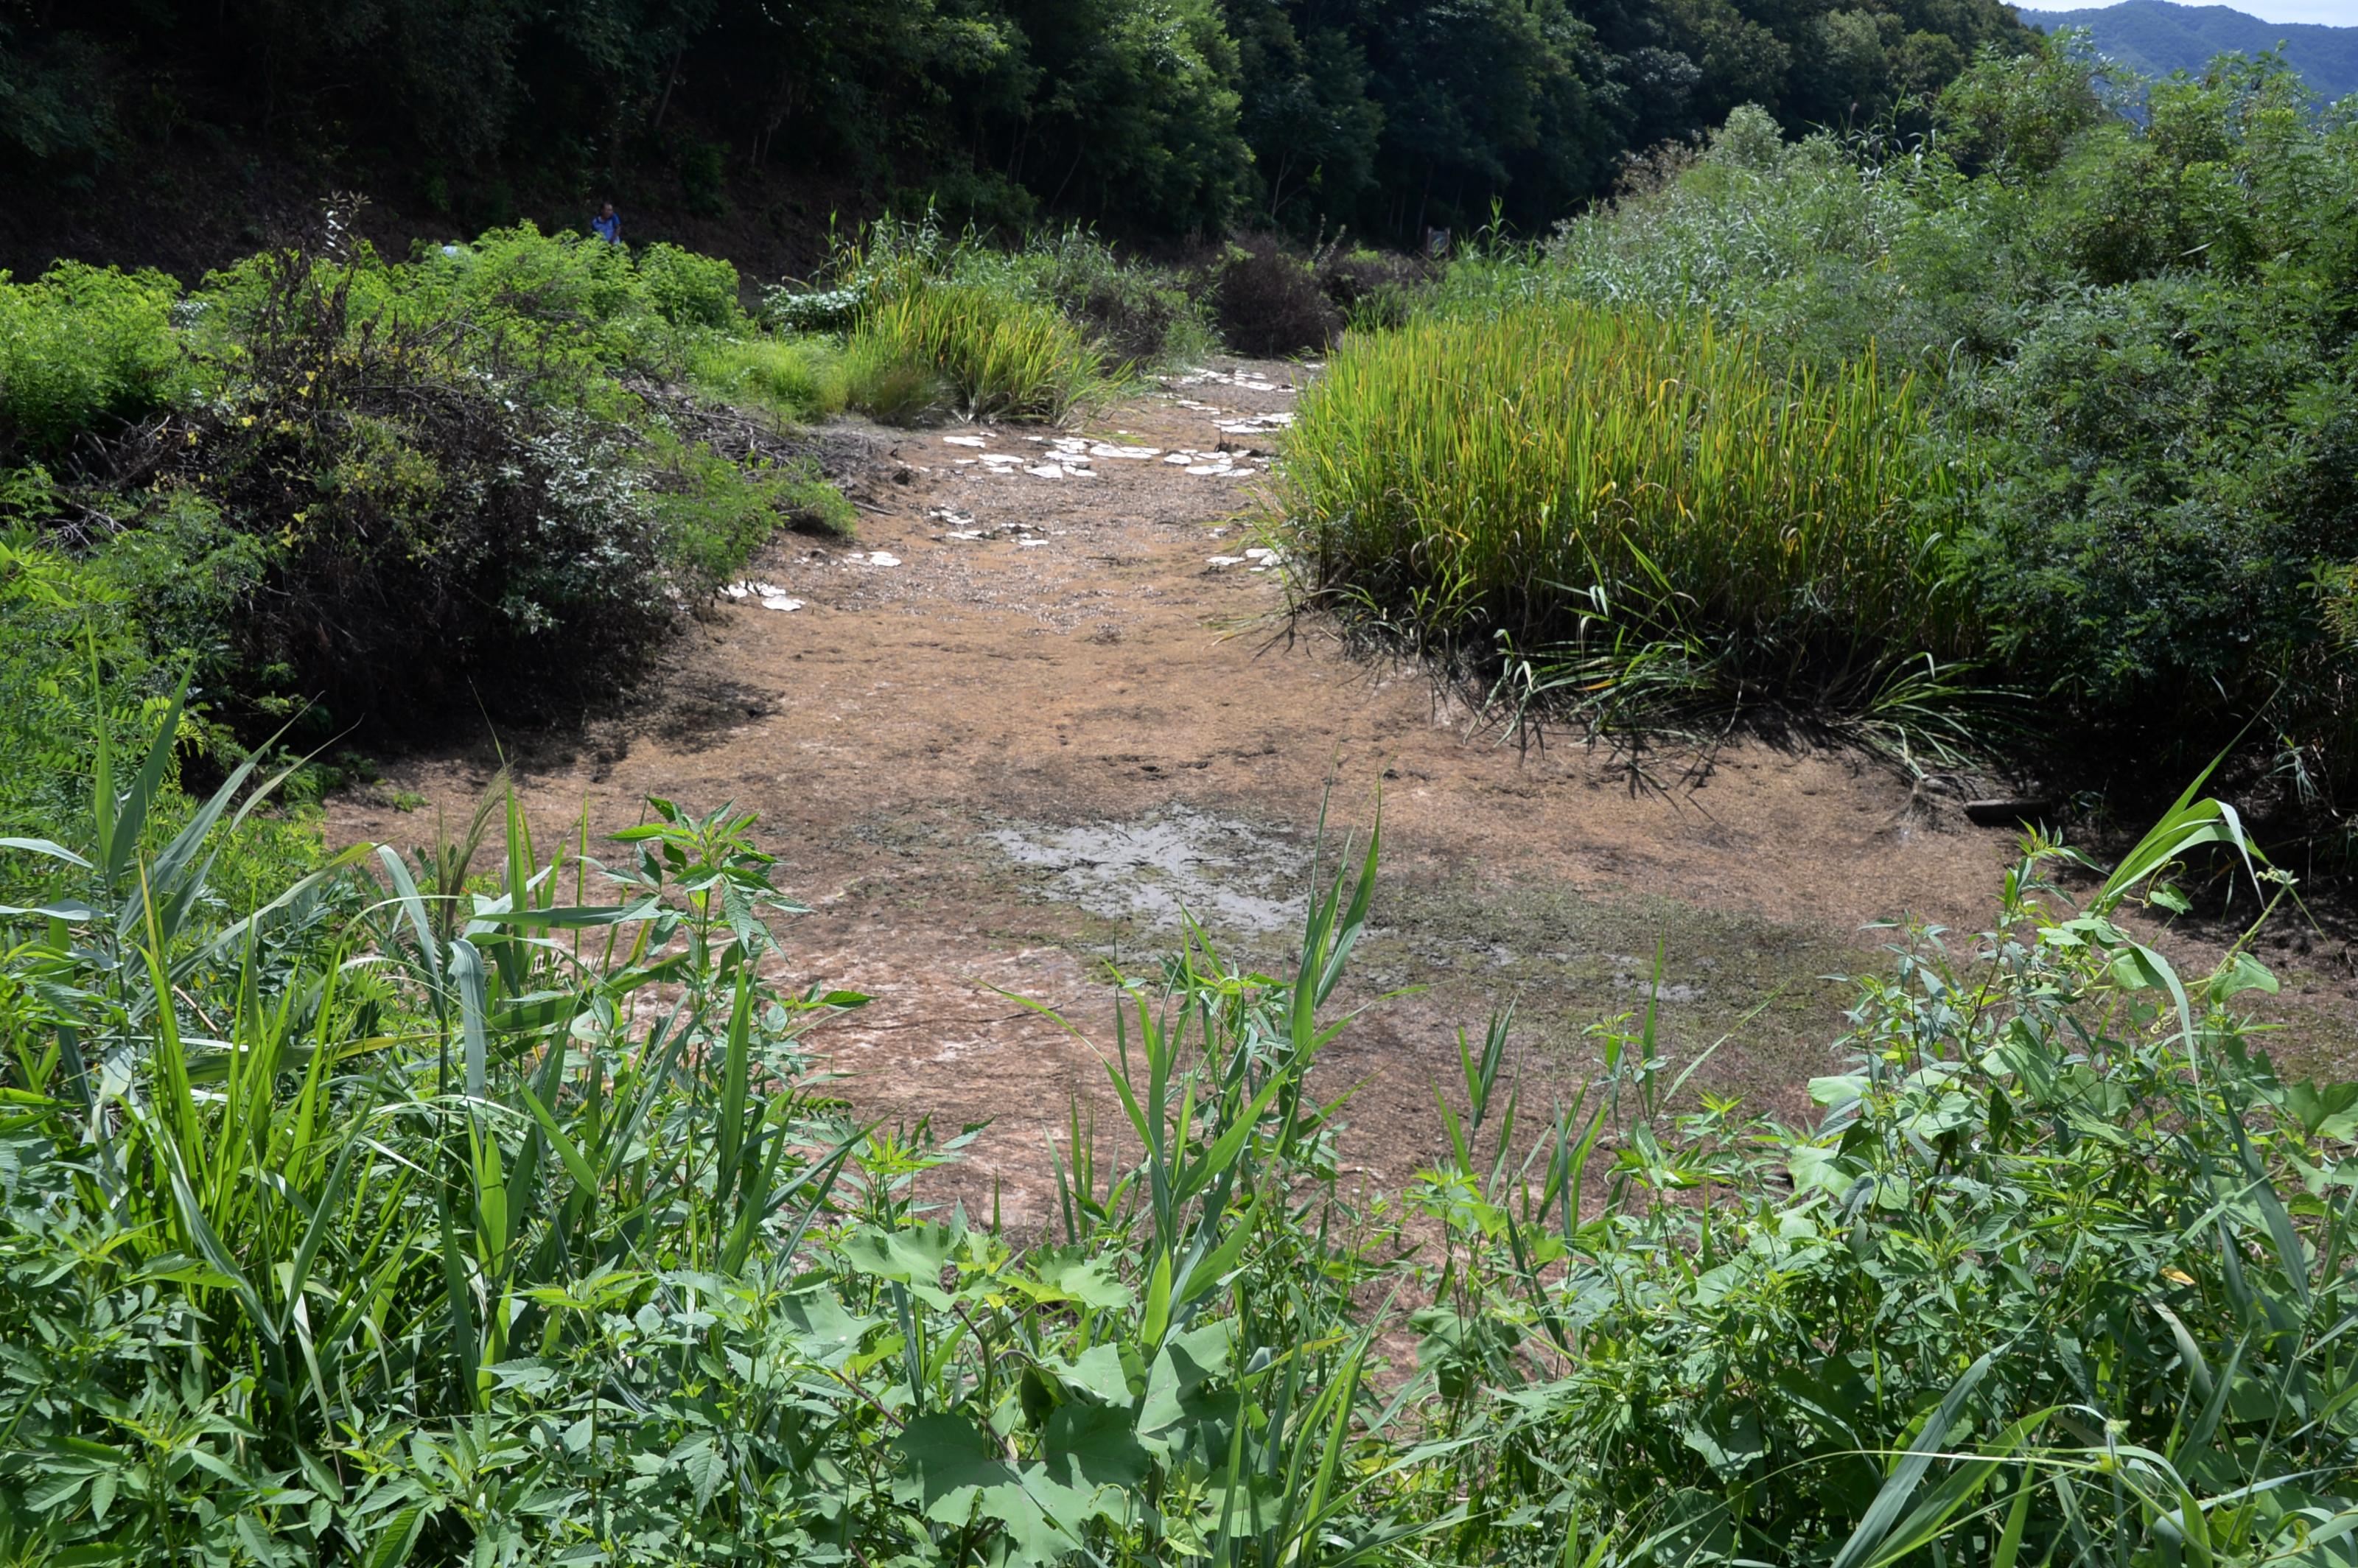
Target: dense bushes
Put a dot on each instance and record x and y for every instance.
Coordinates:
(348, 492)
(2193, 468)
(688, 289)
(1268, 301)
(390, 1225)
(427, 527)
(82, 349)
(2132, 346)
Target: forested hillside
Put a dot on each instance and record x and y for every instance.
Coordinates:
(2154, 37)
(1150, 117)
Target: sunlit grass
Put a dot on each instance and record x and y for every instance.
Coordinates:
(800, 378)
(998, 355)
(1559, 472)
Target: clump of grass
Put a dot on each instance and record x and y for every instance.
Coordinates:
(998, 354)
(1596, 480)
(798, 378)
(886, 383)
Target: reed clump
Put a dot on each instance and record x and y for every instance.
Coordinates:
(996, 355)
(1556, 472)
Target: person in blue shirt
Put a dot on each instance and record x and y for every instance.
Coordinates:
(608, 225)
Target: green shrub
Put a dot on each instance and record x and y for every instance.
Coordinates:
(787, 308)
(82, 348)
(560, 310)
(690, 290)
(1824, 248)
(428, 527)
(2150, 544)
(1563, 473)
(555, 281)
(411, 481)
(1267, 300)
(2049, 1227)
(1373, 289)
(1141, 314)
(715, 515)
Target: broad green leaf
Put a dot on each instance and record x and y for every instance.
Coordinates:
(1093, 1448)
(1100, 1371)
(1070, 1274)
(824, 1331)
(914, 1256)
(952, 1460)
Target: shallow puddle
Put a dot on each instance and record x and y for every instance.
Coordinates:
(1223, 872)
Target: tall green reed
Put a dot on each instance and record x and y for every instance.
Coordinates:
(1601, 484)
(1000, 356)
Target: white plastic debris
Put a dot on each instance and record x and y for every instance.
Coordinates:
(1217, 562)
(1104, 449)
(964, 440)
(779, 602)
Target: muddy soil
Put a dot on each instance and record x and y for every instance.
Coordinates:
(1046, 700)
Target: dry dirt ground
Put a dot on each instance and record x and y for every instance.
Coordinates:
(1039, 704)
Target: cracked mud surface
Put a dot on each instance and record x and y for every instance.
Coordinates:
(1018, 750)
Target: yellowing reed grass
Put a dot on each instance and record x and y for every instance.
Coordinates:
(1563, 464)
(1001, 355)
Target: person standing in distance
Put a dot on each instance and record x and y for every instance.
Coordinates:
(608, 224)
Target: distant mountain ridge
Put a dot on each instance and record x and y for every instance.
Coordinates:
(2155, 37)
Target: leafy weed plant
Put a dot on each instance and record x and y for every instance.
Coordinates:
(436, 1213)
